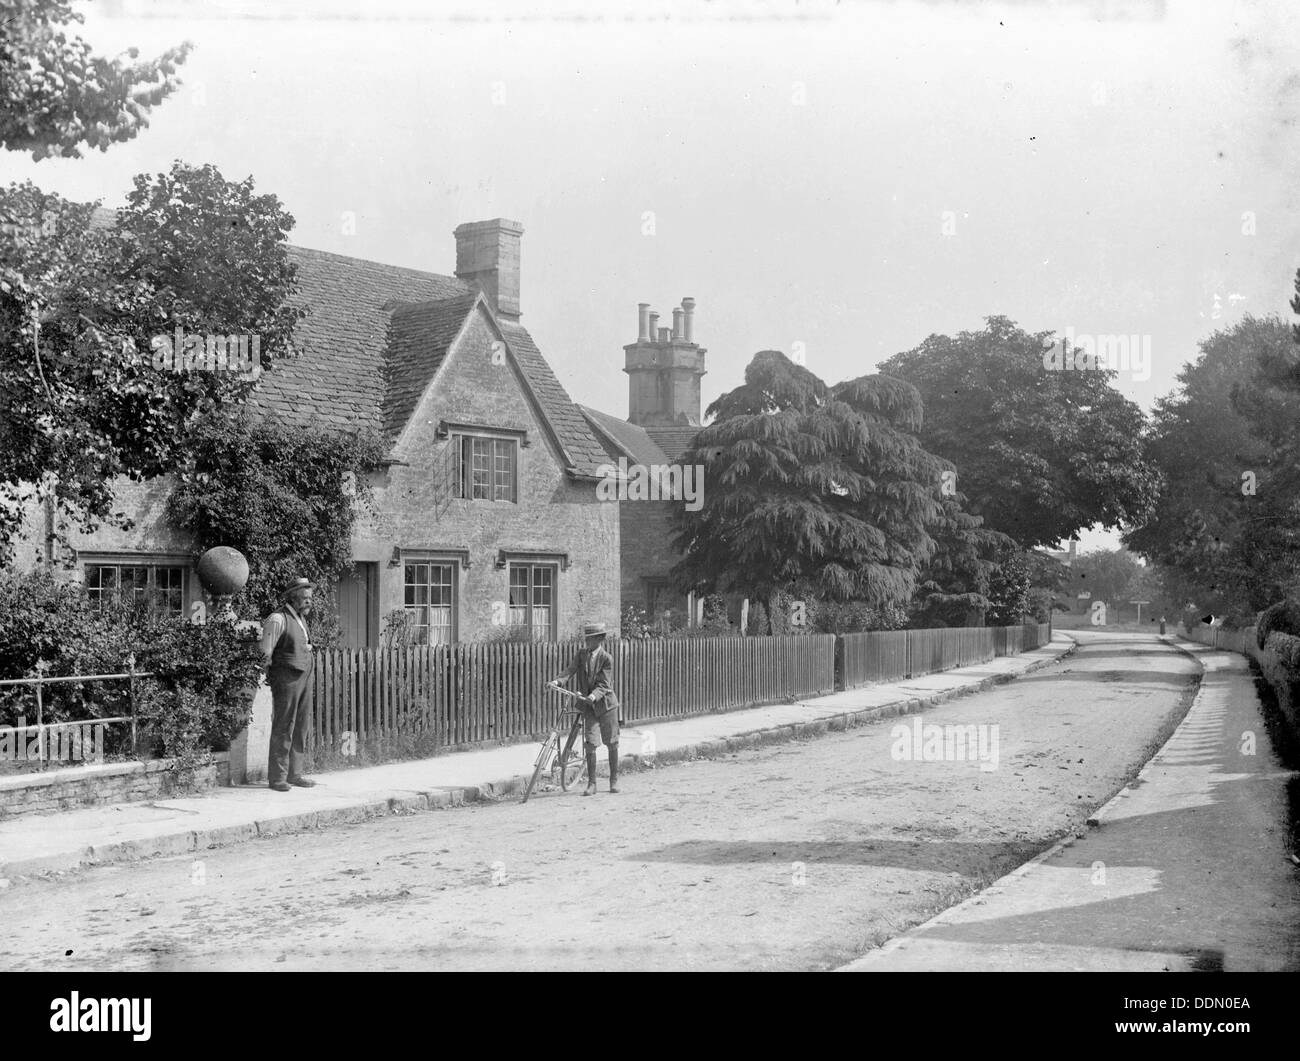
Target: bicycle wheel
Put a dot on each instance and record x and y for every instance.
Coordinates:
(543, 758)
(572, 766)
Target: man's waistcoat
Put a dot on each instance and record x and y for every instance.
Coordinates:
(291, 652)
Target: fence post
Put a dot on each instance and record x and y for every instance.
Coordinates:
(839, 663)
(40, 725)
(130, 694)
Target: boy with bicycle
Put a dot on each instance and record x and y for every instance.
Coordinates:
(593, 667)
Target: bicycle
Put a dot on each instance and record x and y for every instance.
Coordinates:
(564, 764)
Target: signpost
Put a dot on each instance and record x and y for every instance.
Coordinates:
(1139, 603)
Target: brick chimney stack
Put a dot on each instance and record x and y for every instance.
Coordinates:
(487, 254)
(664, 368)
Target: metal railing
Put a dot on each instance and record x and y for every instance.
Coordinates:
(39, 682)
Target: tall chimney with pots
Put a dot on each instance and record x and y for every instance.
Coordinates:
(664, 368)
(487, 254)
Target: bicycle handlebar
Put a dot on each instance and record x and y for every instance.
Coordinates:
(565, 692)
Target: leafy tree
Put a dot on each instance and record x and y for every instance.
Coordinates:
(1108, 574)
(820, 491)
(82, 396)
(1039, 453)
(1227, 519)
(56, 96)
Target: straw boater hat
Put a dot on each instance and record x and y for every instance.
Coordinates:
(296, 584)
(593, 630)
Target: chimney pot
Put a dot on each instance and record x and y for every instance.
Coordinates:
(642, 321)
(688, 323)
(654, 326)
(665, 334)
(677, 323)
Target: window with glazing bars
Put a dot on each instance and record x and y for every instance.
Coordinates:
(487, 468)
(532, 599)
(431, 602)
(161, 587)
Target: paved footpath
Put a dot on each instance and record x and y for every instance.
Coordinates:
(1186, 869)
(72, 839)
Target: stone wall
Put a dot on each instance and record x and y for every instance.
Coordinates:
(102, 783)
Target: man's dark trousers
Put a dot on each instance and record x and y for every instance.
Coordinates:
(290, 715)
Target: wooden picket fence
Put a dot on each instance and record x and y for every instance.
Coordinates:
(890, 655)
(448, 696)
(443, 697)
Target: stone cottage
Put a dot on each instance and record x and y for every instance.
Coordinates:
(487, 511)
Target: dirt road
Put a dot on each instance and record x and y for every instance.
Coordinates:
(794, 856)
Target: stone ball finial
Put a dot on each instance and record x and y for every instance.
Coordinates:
(223, 571)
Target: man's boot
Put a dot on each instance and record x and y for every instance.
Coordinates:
(591, 773)
(613, 767)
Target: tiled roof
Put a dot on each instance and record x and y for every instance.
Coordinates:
(675, 439)
(338, 378)
(624, 439)
(418, 338)
(572, 428)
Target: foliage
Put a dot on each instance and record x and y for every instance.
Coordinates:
(955, 584)
(203, 677)
(635, 623)
(82, 400)
(853, 617)
(818, 489)
(1107, 574)
(283, 497)
(57, 96)
(1229, 540)
(1039, 453)
(397, 631)
(1009, 602)
(1282, 617)
(1042, 603)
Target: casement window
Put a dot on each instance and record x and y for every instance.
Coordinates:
(430, 600)
(488, 467)
(161, 587)
(532, 599)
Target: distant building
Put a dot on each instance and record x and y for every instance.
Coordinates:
(664, 368)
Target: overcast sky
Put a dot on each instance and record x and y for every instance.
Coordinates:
(851, 177)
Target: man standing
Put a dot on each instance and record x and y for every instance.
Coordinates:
(593, 666)
(286, 645)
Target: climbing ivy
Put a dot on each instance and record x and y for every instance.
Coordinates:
(285, 497)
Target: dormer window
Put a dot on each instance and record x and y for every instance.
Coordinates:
(488, 467)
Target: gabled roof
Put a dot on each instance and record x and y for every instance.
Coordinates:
(623, 439)
(584, 452)
(419, 336)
